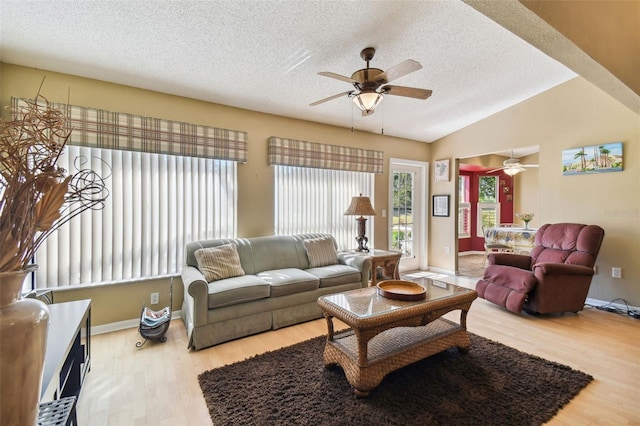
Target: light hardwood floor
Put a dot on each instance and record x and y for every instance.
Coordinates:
(157, 384)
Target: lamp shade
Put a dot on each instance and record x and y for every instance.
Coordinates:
(360, 206)
(367, 101)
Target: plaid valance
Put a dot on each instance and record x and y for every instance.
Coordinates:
(98, 128)
(292, 152)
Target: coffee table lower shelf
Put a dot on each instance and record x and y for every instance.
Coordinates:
(390, 350)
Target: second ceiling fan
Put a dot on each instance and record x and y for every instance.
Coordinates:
(512, 166)
(370, 84)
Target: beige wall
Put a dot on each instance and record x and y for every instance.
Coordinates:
(255, 178)
(570, 115)
(573, 114)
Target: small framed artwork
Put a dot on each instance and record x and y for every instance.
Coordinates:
(441, 171)
(441, 205)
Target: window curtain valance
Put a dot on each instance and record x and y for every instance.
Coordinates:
(98, 128)
(292, 152)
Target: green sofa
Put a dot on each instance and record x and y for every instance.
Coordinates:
(278, 287)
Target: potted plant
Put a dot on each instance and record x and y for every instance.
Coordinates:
(36, 198)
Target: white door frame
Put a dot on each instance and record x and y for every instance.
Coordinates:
(420, 191)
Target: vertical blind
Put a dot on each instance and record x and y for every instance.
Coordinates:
(314, 200)
(157, 203)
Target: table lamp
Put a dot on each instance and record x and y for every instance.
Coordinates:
(361, 206)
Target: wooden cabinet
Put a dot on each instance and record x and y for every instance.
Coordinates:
(68, 356)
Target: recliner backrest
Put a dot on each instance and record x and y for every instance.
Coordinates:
(571, 243)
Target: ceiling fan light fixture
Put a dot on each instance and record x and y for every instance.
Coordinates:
(512, 171)
(367, 101)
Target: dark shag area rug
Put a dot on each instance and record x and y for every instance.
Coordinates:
(491, 384)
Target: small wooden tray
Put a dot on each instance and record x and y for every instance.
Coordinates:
(401, 290)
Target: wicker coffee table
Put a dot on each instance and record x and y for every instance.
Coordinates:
(387, 334)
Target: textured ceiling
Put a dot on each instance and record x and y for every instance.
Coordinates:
(265, 55)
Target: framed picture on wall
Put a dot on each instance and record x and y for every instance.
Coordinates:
(441, 171)
(440, 205)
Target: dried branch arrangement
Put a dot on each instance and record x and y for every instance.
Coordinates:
(36, 195)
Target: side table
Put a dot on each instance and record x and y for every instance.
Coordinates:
(385, 265)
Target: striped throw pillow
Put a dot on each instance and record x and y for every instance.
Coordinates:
(217, 263)
(321, 252)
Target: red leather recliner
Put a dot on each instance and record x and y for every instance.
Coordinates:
(554, 278)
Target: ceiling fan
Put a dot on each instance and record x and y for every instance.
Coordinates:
(512, 166)
(371, 83)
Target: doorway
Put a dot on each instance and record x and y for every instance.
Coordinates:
(407, 212)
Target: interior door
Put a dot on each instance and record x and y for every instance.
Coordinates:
(407, 210)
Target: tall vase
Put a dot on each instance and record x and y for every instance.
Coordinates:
(23, 340)
(526, 224)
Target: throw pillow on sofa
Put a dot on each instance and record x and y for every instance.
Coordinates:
(217, 263)
(321, 252)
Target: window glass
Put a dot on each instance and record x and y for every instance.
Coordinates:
(314, 200)
(488, 189)
(157, 203)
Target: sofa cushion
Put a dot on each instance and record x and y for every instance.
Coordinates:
(217, 263)
(320, 251)
(333, 275)
(289, 281)
(241, 289)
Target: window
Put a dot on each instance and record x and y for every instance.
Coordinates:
(402, 231)
(157, 203)
(464, 207)
(314, 200)
(488, 206)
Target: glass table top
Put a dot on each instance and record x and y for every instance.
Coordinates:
(366, 302)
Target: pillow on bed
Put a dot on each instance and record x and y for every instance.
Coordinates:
(321, 252)
(217, 263)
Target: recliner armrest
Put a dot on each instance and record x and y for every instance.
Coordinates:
(520, 261)
(561, 268)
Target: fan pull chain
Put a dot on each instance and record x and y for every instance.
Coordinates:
(352, 117)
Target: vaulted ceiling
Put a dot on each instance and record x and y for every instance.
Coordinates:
(478, 57)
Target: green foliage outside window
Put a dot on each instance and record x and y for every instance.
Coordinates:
(488, 189)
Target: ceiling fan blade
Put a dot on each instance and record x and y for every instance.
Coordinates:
(496, 170)
(529, 165)
(409, 92)
(321, 101)
(397, 71)
(339, 77)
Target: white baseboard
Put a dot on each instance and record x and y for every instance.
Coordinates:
(124, 325)
(470, 253)
(596, 302)
(441, 271)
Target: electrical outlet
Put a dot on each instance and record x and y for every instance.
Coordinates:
(384, 213)
(155, 298)
(616, 272)
(447, 249)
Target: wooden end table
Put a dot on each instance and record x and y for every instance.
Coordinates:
(387, 334)
(385, 262)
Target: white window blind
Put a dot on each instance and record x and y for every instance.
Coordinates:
(488, 214)
(314, 200)
(157, 203)
(464, 220)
